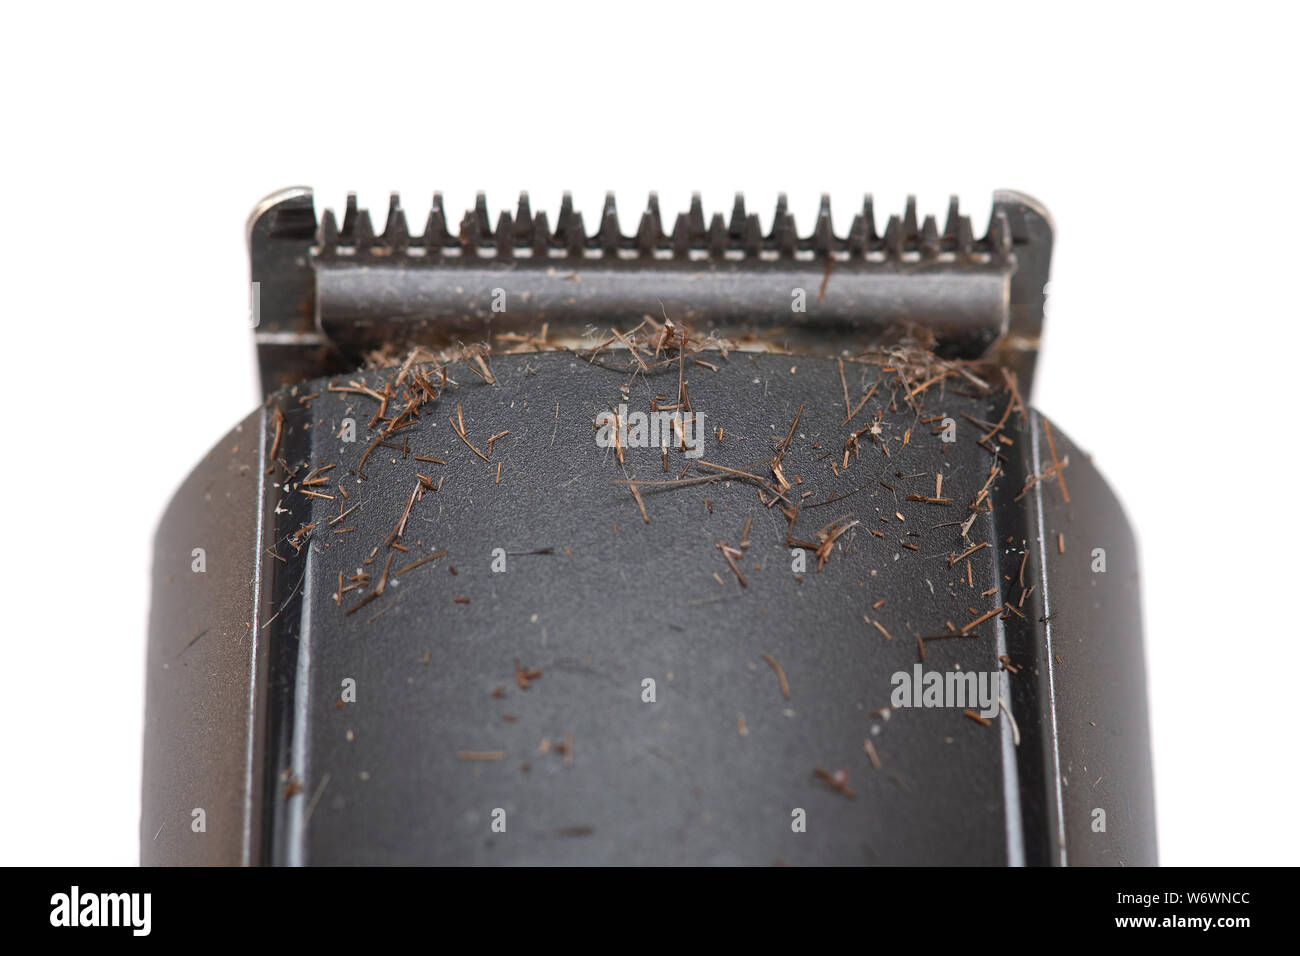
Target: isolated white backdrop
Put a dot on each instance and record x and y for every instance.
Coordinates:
(1162, 138)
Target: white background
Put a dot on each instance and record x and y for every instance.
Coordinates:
(1161, 138)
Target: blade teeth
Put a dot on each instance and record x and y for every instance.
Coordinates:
(541, 238)
(469, 233)
(327, 236)
(894, 238)
(965, 238)
(697, 217)
(858, 241)
(577, 237)
(396, 235)
(787, 240)
(719, 239)
(611, 240)
(347, 234)
(564, 221)
(650, 234)
(435, 229)
(753, 235)
(364, 232)
(647, 234)
(909, 221)
(505, 236)
(998, 238)
(718, 236)
(930, 247)
(681, 239)
(738, 218)
(957, 234)
(952, 222)
(862, 233)
(869, 217)
(778, 217)
(783, 236)
(523, 219)
(824, 241)
(481, 217)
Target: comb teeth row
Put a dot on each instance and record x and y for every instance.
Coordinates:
(530, 234)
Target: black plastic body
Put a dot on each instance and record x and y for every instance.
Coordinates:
(247, 659)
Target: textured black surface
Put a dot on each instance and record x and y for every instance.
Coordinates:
(618, 601)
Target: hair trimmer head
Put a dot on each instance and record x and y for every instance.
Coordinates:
(710, 544)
